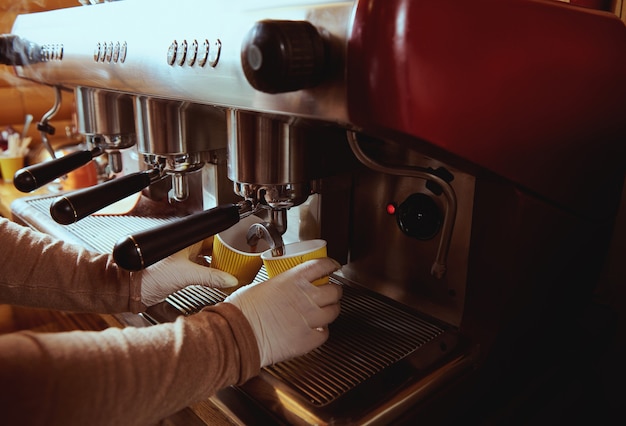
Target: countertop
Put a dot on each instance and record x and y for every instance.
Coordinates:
(8, 193)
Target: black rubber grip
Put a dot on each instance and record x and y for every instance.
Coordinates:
(32, 177)
(138, 251)
(77, 205)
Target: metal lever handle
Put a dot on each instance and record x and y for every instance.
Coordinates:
(79, 204)
(32, 177)
(138, 251)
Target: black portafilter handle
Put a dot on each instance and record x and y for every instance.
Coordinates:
(138, 251)
(32, 177)
(72, 207)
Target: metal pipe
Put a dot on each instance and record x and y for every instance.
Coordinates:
(438, 269)
(45, 128)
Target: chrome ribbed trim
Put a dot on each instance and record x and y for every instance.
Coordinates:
(100, 232)
(192, 299)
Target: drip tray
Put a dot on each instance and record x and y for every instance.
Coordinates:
(374, 340)
(98, 233)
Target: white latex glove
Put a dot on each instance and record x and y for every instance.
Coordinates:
(287, 313)
(178, 271)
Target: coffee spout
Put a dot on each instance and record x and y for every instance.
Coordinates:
(268, 232)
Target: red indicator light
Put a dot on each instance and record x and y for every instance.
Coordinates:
(391, 208)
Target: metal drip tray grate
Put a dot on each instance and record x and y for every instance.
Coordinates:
(97, 232)
(368, 336)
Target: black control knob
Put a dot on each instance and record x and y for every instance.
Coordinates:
(419, 217)
(17, 51)
(283, 56)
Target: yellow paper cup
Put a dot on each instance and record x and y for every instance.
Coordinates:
(10, 165)
(295, 254)
(232, 254)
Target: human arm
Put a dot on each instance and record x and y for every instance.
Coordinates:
(38, 270)
(124, 376)
(139, 376)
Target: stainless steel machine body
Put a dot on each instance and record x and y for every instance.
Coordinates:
(364, 123)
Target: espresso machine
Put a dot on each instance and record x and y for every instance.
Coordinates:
(464, 161)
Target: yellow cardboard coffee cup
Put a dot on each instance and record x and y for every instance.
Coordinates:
(232, 254)
(9, 166)
(295, 254)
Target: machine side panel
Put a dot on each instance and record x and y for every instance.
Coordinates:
(533, 91)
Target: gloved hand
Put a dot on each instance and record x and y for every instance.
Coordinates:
(287, 313)
(178, 271)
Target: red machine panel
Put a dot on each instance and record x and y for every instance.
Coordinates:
(534, 91)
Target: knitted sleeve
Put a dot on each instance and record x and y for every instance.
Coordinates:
(40, 271)
(132, 376)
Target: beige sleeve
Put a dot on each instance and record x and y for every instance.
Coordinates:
(124, 376)
(39, 271)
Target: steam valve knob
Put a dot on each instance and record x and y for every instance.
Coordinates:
(419, 217)
(283, 56)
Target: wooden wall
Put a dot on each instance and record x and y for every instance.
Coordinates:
(19, 97)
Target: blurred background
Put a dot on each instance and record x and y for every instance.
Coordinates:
(19, 97)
